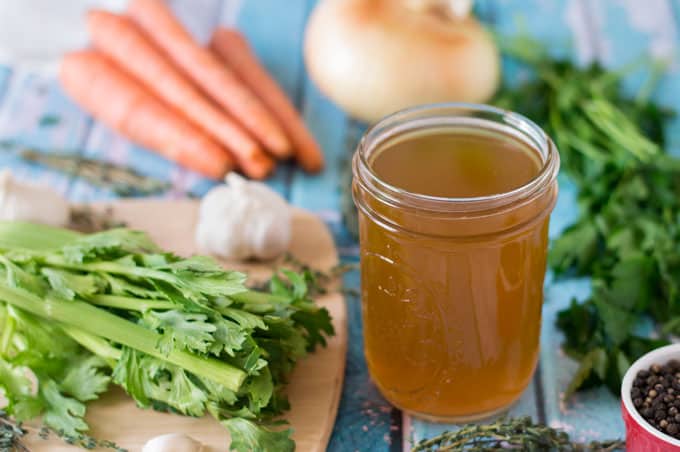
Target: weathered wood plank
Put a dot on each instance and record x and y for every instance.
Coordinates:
(320, 193)
(328, 123)
(5, 74)
(365, 420)
(34, 113)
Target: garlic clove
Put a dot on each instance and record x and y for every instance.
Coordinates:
(172, 442)
(243, 219)
(270, 239)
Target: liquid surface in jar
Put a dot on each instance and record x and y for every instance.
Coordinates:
(456, 165)
(452, 320)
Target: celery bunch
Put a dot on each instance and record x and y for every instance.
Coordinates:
(183, 335)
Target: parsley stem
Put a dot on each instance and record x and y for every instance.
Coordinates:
(118, 330)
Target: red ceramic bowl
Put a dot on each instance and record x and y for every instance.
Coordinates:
(640, 435)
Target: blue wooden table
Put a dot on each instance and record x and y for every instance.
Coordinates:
(612, 31)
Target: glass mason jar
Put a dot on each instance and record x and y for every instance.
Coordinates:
(452, 288)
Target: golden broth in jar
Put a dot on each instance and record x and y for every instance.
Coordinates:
(454, 204)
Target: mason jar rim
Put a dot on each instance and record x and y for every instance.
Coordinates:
(454, 114)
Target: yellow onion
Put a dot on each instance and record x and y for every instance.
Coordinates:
(374, 57)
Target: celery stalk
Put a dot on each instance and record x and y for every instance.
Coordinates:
(93, 343)
(130, 303)
(33, 237)
(109, 326)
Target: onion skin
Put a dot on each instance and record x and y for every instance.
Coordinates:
(375, 57)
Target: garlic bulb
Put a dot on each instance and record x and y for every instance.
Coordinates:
(375, 57)
(243, 219)
(172, 442)
(25, 202)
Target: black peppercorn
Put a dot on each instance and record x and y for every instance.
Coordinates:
(655, 393)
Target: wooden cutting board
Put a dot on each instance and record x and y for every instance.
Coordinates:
(315, 386)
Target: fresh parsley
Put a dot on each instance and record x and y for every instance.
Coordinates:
(627, 235)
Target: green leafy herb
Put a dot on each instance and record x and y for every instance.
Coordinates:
(511, 434)
(79, 312)
(627, 235)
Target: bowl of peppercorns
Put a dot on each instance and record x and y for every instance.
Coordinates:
(650, 401)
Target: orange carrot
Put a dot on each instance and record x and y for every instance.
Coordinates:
(218, 81)
(116, 99)
(233, 47)
(119, 38)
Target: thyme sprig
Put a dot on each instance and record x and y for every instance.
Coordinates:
(12, 435)
(123, 181)
(511, 433)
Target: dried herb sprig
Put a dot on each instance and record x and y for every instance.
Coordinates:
(84, 441)
(86, 219)
(511, 433)
(11, 434)
(121, 180)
